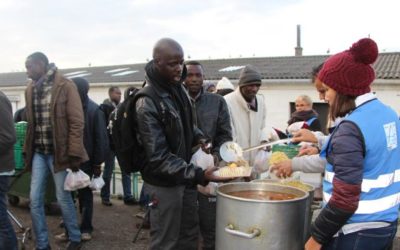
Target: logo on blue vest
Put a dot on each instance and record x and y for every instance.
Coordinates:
(391, 135)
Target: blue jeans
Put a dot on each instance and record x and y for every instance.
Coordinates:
(109, 165)
(8, 240)
(372, 239)
(42, 166)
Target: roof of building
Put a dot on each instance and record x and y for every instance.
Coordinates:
(293, 67)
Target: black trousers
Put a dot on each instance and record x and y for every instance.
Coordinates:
(207, 220)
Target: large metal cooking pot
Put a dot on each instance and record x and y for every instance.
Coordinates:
(309, 212)
(259, 224)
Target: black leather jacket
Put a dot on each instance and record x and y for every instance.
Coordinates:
(162, 136)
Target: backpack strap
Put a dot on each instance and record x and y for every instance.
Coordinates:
(149, 92)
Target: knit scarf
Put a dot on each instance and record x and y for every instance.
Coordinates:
(48, 77)
(299, 116)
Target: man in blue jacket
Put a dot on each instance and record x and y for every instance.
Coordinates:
(95, 139)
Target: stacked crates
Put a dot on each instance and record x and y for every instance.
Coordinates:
(20, 129)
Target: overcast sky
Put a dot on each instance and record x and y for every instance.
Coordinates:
(76, 33)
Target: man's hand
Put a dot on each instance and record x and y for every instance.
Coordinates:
(304, 135)
(282, 169)
(96, 170)
(311, 244)
(308, 150)
(209, 175)
(74, 163)
(205, 145)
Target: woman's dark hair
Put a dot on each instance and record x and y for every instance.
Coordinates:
(315, 71)
(341, 106)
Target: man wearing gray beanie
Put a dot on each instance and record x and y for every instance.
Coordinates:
(249, 76)
(248, 112)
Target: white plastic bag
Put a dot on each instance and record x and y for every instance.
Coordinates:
(294, 127)
(76, 180)
(97, 183)
(261, 161)
(210, 189)
(202, 159)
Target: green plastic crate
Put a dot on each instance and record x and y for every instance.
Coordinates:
(20, 130)
(290, 150)
(18, 158)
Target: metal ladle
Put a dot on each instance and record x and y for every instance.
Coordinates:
(231, 151)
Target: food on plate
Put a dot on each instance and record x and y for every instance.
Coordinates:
(233, 147)
(277, 157)
(234, 172)
(232, 165)
(238, 168)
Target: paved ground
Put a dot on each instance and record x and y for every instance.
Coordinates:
(115, 226)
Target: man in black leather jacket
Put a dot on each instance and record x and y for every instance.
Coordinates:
(166, 130)
(212, 117)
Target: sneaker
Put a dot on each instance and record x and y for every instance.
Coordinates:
(72, 245)
(61, 237)
(86, 236)
(130, 201)
(106, 203)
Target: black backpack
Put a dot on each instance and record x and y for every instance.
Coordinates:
(122, 128)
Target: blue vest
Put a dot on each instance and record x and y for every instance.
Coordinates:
(380, 191)
(309, 121)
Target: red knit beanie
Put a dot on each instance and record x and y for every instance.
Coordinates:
(350, 72)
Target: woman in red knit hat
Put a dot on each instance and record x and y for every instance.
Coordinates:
(362, 175)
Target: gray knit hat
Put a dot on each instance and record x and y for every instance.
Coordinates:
(249, 75)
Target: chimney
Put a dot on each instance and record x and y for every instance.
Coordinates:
(298, 50)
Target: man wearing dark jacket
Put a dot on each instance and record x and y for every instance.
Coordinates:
(108, 106)
(95, 139)
(7, 140)
(166, 131)
(20, 115)
(212, 118)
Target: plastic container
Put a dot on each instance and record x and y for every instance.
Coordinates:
(290, 150)
(20, 130)
(19, 159)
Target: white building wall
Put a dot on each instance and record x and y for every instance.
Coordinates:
(278, 98)
(15, 95)
(278, 95)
